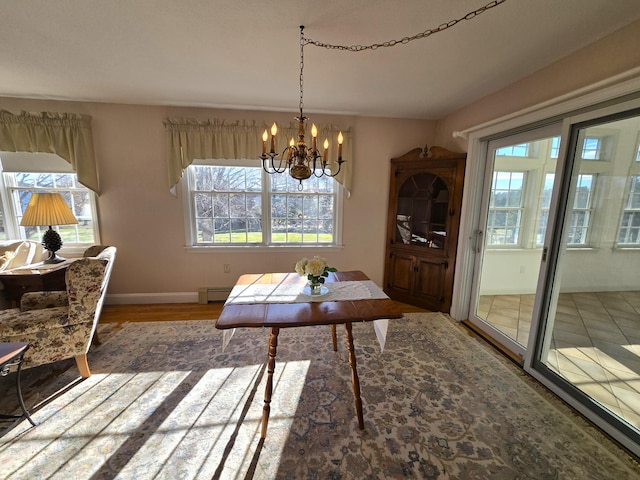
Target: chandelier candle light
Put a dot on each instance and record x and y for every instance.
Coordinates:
(300, 160)
(316, 270)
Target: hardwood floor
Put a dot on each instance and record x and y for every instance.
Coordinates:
(179, 311)
(160, 312)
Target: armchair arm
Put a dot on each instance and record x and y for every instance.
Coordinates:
(38, 300)
(85, 288)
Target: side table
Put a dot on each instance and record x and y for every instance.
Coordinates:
(33, 278)
(11, 355)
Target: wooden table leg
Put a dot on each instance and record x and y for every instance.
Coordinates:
(271, 365)
(334, 338)
(354, 376)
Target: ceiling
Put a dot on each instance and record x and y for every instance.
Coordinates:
(245, 53)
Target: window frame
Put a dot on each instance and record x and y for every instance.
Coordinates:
(192, 245)
(40, 164)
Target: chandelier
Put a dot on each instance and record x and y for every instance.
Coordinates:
(301, 161)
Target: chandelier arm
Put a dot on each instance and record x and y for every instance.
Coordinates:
(339, 162)
(392, 43)
(324, 170)
(268, 162)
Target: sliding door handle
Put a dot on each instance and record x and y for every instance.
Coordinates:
(478, 243)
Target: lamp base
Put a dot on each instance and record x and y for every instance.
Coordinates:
(52, 242)
(53, 258)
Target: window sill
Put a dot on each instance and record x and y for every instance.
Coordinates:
(73, 251)
(261, 248)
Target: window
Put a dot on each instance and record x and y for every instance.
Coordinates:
(520, 150)
(505, 208)
(592, 148)
(25, 173)
(20, 185)
(243, 205)
(630, 225)
(580, 215)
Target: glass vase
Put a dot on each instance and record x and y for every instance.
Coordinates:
(315, 288)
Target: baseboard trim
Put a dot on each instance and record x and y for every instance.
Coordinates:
(150, 298)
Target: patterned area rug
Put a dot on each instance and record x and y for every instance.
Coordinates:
(165, 402)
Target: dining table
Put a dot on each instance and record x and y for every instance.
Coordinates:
(283, 300)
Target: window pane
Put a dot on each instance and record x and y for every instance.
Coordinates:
(203, 177)
(325, 205)
(222, 230)
(578, 227)
(236, 179)
(521, 150)
(633, 202)
(64, 180)
(591, 149)
(220, 204)
(555, 147)
(254, 206)
(203, 205)
(237, 206)
(583, 191)
(205, 229)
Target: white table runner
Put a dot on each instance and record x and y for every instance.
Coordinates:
(293, 293)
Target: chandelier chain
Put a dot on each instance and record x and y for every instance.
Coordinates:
(392, 43)
(302, 44)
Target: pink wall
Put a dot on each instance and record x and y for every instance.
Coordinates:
(140, 216)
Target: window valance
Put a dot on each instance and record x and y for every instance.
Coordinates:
(65, 134)
(190, 139)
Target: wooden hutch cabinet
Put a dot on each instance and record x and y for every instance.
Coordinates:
(425, 197)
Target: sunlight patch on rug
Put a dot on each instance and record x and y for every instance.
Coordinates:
(85, 426)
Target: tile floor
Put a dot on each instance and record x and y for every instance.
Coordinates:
(595, 343)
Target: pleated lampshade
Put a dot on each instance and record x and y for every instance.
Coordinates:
(47, 209)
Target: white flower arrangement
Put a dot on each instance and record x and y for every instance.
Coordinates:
(316, 269)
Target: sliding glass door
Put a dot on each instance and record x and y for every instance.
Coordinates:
(556, 255)
(518, 185)
(587, 345)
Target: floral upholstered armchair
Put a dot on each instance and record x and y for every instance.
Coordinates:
(61, 325)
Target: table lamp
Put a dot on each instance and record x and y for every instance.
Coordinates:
(48, 209)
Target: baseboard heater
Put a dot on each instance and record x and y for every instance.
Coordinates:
(212, 294)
